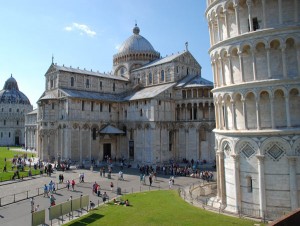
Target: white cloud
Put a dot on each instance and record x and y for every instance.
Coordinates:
(82, 28)
(118, 46)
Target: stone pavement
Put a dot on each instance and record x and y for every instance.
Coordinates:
(19, 213)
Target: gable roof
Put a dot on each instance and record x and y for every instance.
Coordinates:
(148, 92)
(109, 129)
(91, 95)
(160, 61)
(194, 81)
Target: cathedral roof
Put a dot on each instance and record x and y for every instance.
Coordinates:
(194, 81)
(160, 61)
(85, 72)
(91, 95)
(149, 92)
(11, 93)
(136, 44)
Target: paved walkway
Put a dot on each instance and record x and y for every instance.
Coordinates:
(19, 213)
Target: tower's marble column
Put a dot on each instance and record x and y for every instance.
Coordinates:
(287, 110)
(261, 185)
(249, 4)
(237, 17)
(222, 177)
(236, 173)
(293, 182)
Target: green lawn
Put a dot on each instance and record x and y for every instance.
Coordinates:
(9, 154)
(161, 208)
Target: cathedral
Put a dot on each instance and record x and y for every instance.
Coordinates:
(149, 109)
(255, 57)
(14, 105)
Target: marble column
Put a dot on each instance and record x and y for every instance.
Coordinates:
(261, 185)
(254, 64)
(283, 55)
(293, 182)
(218, 174)
(226, 23)
(244, 113)
(219, 28)
(280, 11)
(272, 112)
(233, 114)
(236, 174)
(241, 66)
(222, 177)
(237, 17)
(296, 11)
(257, 113)
(249, 4)
(224, 108)
(269, 63)
(263, 2)
(222, 71)
(287, 110)
(230, 68)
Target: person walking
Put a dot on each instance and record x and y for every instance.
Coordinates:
(73, 184)
(111, 186)
(52, 200)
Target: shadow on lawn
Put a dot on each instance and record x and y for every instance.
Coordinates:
(87, 220)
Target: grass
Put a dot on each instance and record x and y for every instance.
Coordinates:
(9, 155)
(163, 208)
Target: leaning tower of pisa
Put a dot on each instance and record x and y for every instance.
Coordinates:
(255, 58)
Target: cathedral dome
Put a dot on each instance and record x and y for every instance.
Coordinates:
(136, 43)
(11, 93)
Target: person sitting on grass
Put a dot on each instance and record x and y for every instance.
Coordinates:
(104, 197)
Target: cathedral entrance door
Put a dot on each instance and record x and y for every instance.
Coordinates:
(106, 150)
(17, 142)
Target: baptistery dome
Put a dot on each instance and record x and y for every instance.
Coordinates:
(12, 94)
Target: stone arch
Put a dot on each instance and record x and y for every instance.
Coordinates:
(236, 70)
(239, 114)
(296, 148)
(247, 61)
(265, 109)
(291, 56)
(246, 148)
(226, 147)
(250, 100)
(275, 46)
(280, 106)
(294, 103)
(275, 148)
(261, 59)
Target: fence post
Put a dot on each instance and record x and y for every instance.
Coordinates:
(14, 197)
(27, 194)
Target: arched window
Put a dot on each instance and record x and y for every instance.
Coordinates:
(87, 83)
(114, 87)
(100, 85)
(170, 140)
(94, 133)
(162, 76)
(141, 112)
(72, 81)
(150, 78)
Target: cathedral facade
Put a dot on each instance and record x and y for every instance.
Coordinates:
(14, 105)
(148, 110)
(255, 57)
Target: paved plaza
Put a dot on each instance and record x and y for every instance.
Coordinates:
(19, 213)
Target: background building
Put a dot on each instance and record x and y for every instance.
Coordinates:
(13, 107)
(148, 110)
(255, 57)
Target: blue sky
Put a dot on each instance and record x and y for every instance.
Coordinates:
(87, 33)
